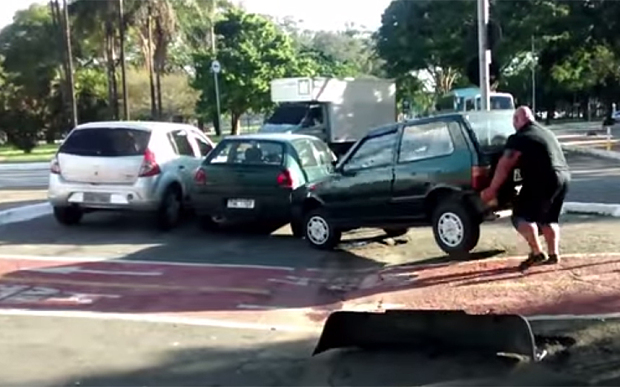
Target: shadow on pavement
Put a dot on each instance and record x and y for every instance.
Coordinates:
(289, 364)
(579, 353)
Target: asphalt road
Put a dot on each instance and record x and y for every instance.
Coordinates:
(36, 176)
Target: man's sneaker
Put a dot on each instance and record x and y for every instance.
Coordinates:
(552, 260)
(532, 260)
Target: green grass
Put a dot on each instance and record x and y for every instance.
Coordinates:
(9, 154)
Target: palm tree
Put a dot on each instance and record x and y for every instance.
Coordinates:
(156, 22)
(98, 19)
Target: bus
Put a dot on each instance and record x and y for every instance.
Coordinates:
(469, 99)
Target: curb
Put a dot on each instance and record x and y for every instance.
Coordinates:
(24, 166)
(603, 209)
(610, 155)
(24, 213)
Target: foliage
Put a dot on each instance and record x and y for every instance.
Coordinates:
(252, 51)
(178, 97)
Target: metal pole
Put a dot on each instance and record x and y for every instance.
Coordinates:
(533, 78)
(484, 54)
(121, 21)
(217, 100)
(67, 26)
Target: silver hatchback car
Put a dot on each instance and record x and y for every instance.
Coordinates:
(123, 165)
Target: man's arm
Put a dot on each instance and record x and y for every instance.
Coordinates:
(505, 165)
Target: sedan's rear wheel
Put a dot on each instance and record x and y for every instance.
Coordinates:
(319, 232)
(169, 212)
(68, 216)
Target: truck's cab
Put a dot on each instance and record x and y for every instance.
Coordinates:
(337, 111)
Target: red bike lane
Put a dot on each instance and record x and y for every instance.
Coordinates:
(303, 298)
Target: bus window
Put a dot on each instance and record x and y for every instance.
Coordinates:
(501, 102)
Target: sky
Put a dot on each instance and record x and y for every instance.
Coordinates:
(316, 14)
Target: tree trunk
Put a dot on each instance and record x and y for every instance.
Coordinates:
(158, 87)
(234, 123)
(69, 56)
(121, 23)
(149, 61)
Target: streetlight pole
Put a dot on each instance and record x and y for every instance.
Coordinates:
(533, 77)
(484, 54)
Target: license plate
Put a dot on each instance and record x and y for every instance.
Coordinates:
(93, 197)
(517, 175)
(241, 203)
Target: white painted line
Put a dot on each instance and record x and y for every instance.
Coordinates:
(24, 213)
(77, 269)
(153, 318)
(573, 317)
(259, 307)
(123, 261)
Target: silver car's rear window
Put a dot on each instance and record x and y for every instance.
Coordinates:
(106, 142)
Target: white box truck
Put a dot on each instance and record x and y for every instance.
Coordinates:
(339, 112)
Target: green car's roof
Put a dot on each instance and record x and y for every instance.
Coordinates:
(284, 137)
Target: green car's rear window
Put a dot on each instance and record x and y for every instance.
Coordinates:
(253, 152)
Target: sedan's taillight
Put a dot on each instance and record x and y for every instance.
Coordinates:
(149, 165)
(285, 179)
(55, 166)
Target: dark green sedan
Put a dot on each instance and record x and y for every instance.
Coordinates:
(249, 178)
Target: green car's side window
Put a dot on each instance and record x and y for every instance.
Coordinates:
(374, 152)
(425, 141)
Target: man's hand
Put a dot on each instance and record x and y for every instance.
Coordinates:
(488, 195)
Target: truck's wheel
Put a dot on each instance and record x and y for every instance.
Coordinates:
(455, 228)
(319, 232)
(68, 216)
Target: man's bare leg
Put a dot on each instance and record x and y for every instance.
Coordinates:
(529, 231)
(552, 238)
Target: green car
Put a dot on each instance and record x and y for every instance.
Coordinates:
(249, 178)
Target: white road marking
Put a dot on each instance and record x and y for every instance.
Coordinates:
(77, 269)
(123, 261)
(259, 307)
(23, 294)
(159, 319)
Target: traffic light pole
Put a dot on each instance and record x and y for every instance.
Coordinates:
(484, 54)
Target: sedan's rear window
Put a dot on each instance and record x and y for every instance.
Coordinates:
(254, 152)
(106, 142)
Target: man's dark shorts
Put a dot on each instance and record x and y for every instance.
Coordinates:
(540, 204)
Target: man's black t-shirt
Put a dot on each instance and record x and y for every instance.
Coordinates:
(542, 162)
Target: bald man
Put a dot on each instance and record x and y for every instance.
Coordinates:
(537, 153)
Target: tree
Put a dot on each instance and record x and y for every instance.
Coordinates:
(425, 35)
(252, 51)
